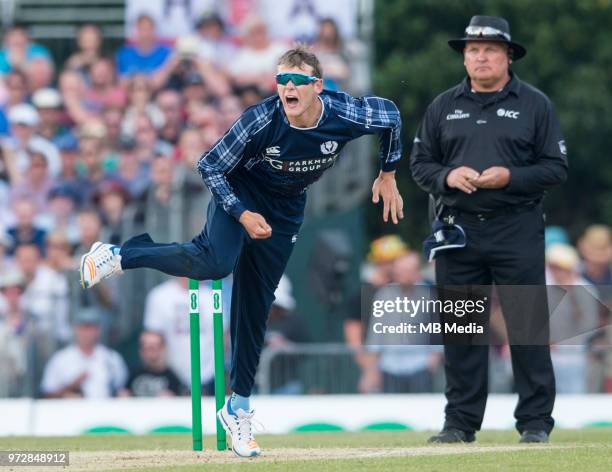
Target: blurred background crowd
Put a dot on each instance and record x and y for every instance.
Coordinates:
(102, 145)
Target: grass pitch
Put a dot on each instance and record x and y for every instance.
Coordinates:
(584, 450)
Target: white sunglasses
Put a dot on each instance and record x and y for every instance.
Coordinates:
(485, 31)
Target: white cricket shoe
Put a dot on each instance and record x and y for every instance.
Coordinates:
(240, 427)
(98, 264)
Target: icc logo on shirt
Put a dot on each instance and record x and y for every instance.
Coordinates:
(329, 147)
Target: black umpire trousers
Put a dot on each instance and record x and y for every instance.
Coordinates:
(505, 250)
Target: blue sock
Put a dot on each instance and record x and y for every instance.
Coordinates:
(116, 250)
(236, 402)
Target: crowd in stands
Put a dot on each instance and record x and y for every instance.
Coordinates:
(102, 147)
(579, 293)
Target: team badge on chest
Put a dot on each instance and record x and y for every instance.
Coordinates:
(329, 147)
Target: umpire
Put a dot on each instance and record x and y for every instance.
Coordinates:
(487, 150)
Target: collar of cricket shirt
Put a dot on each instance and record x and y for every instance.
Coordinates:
(316, 125)
(513, 86)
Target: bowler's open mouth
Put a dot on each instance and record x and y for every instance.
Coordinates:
(292, 101)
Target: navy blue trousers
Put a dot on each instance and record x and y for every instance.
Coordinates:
(224, 247)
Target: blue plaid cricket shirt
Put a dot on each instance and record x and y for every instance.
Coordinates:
(276, 158)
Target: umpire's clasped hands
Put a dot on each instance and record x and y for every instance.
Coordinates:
(468, 180)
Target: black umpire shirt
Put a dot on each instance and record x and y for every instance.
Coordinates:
(516, 128)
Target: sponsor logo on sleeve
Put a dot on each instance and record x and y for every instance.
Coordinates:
(562, 147)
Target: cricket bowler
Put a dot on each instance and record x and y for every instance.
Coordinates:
(258, 173)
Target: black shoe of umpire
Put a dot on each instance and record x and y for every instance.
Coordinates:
(452, 435)
(534, 436)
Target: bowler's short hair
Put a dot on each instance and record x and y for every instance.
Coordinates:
(300, 55)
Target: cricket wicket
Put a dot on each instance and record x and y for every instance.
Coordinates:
(196, 381)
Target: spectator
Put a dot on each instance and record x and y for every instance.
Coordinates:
(408, 366)
(13, 91)
(68, 146)
(15, 329)
(162, 213)
(46, 293)
(8, 171)
(193, 195)
(24, 120)
(285, 328)
(229, 111)
(249, 95)
(35, 184)
(202, 116)
(575, 315)
(90, 227)
(73, 88)
(215, 45)
(595, 247)
(95, 161)
(133, 172)
(111, 198)
(25, 231)
(140, 94)
(112, 117)
(255, 62)
(61, 215)
(329, 49)
(16, 84)
(185, 64)
(103, 91)
(383, 252)
(19, 52)
(162, 178)
(195, 90)
(4, 124)
(147, 55)
(86, 368)
(153, 377)
(59, 250)
(170, 103)
(6, 243)
(105, 298)
(555, 234)
(48, 103)
(190, 148)
(40, 72)
(89, 50)
(3, 95)
(165, 310)
(148, 144)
